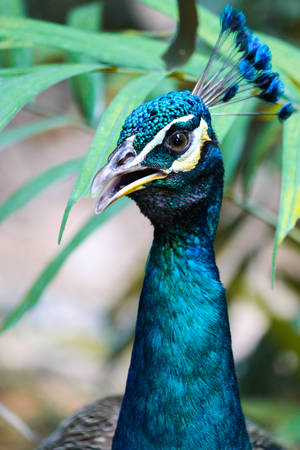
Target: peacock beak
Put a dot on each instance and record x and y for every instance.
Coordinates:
(122, 176)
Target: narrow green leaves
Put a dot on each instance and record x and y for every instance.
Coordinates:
(47, 275)
(287, 58)
(233, 146)
(16, 91)
(108, 132)
(223, 124)
(290, 190)
(232, 132)
(12, 8)
(209, 27)
(112, 48)
(85, 17)
(284, 54)
(87, 88)
(35, 186)
(262, 142)
(15, 56)
(19, 133)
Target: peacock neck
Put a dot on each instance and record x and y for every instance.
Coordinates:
(181, 390)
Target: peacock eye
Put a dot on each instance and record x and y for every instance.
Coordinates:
(178, 141)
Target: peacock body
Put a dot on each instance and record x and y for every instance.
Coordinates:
(181, 391)
(167, 396)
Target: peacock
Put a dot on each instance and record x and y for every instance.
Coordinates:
(181, 390)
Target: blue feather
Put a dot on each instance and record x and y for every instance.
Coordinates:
(253, 45)
(247, 70)
(248, 63)
(286, 111)
(226, 17)
(231, 92)
(232, 19)
(238, 21)
(262, 59)
(273, 93)
(242, 38)
(264, 80)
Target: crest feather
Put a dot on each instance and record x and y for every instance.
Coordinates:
(247, 68)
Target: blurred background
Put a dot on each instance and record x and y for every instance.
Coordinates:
(74, 346)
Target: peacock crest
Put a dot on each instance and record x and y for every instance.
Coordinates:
(244, 72)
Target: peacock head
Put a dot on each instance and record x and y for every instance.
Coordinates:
(167, 157)
(166, 152)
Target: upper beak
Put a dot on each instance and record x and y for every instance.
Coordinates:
(122, 176)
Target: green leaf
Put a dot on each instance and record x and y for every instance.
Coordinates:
(284, 54)
(166, 85)
(223, 123)
(197, 62)
(15, 56)
(10, 43)
(232, 133)
(107, 134)
(33, 295)
(36, 185)
(292, 91)
(262, 142)
(208, 28)
(119, 49)
(16, 91)
(194, 66)
(289, 429)
(85, 17)
(17, 134)
(13, 8)
(232, 147)
(87, 88)
(289, 210)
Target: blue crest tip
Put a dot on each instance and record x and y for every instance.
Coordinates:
(264, 80)
(231, 92)
(273, 92)
(285, 111)
(262, 58)
(258, 53)
(226, 17)
(247, 70)
(232, 19)
(243, 37)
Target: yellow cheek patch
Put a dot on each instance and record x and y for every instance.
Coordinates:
(189, 160)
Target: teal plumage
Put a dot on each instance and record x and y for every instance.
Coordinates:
(181, 391)
(150, 117)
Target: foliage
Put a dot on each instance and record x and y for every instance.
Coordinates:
(88, 53)
(135, 53)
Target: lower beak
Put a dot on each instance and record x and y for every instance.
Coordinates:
(112, 183)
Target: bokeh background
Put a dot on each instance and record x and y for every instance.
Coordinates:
(74, 346)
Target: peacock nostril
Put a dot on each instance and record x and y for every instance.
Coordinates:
(125, 158)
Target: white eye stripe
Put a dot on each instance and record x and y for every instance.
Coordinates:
(158, 139)
(191, 157)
